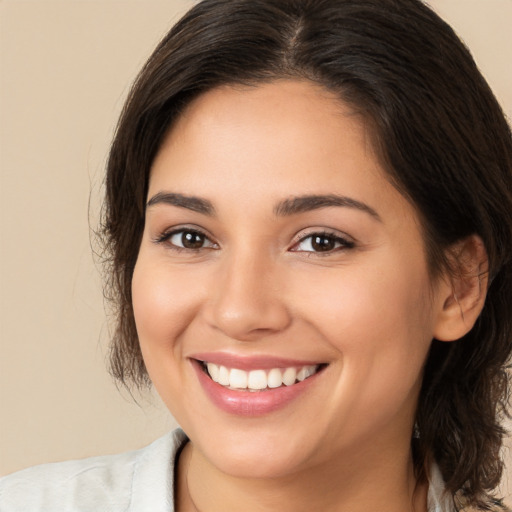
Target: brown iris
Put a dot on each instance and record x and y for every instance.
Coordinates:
(192, 240)
(322, 243)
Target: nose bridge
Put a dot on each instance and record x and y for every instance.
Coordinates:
(248, 301)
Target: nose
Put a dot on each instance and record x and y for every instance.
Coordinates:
(248, 301)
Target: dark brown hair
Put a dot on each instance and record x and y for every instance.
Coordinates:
(443, 140)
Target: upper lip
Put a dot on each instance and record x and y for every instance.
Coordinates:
(253, 362)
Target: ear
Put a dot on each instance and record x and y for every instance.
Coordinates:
(462, 292)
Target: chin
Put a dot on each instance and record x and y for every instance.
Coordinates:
(258, 455)
(253, 464)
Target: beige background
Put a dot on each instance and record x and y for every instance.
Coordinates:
(65, 69)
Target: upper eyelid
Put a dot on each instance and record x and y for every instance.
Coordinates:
(305, 233)
(166, 233)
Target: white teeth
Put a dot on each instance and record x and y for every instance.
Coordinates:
(274, 378)
(305, 372)
(289, 376)
(259, 379)
(302, 374)
(214, 371)
(238, 379)
(223, 376)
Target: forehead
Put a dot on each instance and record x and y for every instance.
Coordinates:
(268, 125)
(263, 143)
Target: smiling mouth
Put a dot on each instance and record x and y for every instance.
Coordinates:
(258, 380)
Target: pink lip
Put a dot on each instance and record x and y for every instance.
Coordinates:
(251, 403)
(248, 363)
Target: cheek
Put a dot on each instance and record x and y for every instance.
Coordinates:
(381, 324)
(366, 301)
(383, 342)
(164, 304)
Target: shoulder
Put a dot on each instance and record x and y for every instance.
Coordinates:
(74, 485)
(112, 483)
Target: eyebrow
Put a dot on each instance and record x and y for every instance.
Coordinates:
(287, 207)
(196, 204)
(301, 204)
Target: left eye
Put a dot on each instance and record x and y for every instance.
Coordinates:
(189, 239)
(322, 242)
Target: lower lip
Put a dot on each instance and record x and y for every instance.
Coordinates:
(251, 403)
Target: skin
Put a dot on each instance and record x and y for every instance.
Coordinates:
(367, 308)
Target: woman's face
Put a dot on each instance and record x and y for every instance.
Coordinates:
(275, 248)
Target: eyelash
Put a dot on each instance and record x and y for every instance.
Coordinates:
(341, 242)
(166, 236)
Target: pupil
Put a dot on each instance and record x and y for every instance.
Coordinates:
(192, 240)
(322, 243)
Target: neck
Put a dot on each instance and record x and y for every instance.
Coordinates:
(355, 484)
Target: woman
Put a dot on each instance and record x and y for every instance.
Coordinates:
(308, 213)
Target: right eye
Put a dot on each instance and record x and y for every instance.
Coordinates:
(187, 239)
